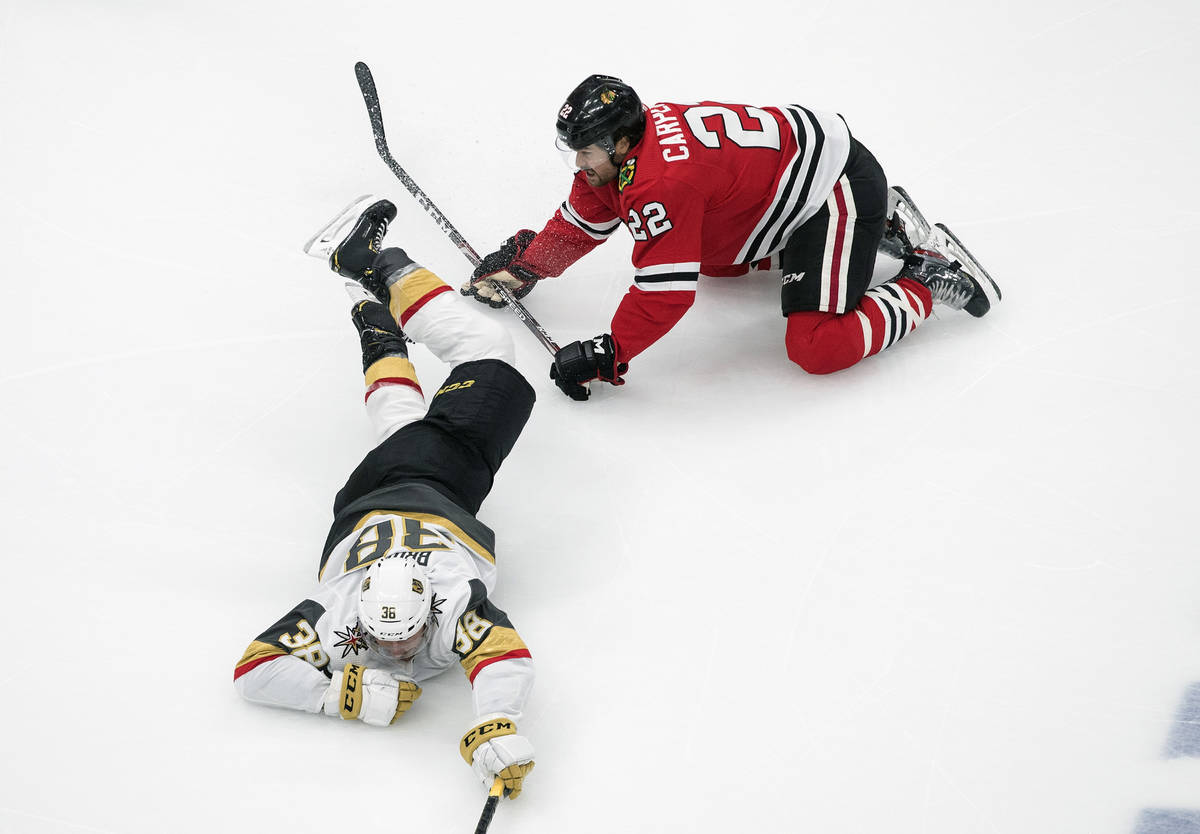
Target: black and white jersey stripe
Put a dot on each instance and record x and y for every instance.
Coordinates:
(823, 145)
(662, 277)
(597, 231)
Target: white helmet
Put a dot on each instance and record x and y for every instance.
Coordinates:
(394, 602)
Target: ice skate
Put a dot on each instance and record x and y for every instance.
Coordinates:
(906, 228)
(934, 256)
(355, 256)
(359, 254)
(378, 332)
(988, 292)
(321, 245)
(949, 285)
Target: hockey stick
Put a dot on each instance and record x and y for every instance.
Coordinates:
(366, 83)
(489, 807)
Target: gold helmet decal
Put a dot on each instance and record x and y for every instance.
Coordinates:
(608, 97)
(366, 583)
(418, 588)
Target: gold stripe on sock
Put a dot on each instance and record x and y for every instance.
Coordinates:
(390, 367)
(412, 288)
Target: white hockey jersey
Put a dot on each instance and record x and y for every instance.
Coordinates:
(290, 664)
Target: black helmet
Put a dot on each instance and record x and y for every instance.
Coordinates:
(599, 111)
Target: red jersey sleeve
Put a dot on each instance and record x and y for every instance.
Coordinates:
(580, 224)
(666, 223)
(642, 318)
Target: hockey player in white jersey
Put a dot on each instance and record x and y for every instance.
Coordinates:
(407, 569)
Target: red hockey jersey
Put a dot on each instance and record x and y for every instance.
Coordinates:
(710, 188)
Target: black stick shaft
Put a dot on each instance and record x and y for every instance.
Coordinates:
(489, 811)
(366, 83)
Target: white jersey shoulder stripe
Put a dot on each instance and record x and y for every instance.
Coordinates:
(663, 269)
(597, 231)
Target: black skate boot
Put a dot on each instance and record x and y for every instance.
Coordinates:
(378, 332)
(355, 256)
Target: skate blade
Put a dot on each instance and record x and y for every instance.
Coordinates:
(991, 295)
(358, 292)
(322, 244)
(915, 225)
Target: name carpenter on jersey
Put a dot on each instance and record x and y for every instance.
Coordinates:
(666, 126)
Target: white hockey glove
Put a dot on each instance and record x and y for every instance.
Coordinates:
(370, 695)
(492, 748)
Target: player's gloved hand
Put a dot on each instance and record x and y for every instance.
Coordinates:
(492, 748)
(504, 266)
(372, 696)
(581, 362)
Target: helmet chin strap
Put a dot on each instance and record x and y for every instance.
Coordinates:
(611, 146)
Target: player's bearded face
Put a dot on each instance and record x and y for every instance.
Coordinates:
(596, 166)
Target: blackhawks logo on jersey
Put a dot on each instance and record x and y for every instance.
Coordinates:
(352, 640)
(625, 175)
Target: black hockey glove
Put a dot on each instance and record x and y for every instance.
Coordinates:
(504, 266)
(581, 362)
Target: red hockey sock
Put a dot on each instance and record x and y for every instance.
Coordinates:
(822, 343)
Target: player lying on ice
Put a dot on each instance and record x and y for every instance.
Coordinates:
(406, 570)
(715, 189)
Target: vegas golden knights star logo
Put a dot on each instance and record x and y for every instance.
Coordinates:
(352, 640)
(625, 175)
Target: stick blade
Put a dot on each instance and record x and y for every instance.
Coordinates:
(366, 81)
(366, 85)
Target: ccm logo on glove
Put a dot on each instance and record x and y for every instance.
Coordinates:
(351, 704)
(484, 732)
(493, 748)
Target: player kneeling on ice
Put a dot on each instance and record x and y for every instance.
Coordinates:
(717, 189)
(407, 568)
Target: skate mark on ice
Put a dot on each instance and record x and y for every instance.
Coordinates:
(1041, 344)
(1075, 84)
(158, 350)
(1058, 24)
(55, 820)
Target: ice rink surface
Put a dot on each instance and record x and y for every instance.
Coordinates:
(953, 590)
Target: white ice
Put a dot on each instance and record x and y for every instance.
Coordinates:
(955, 589)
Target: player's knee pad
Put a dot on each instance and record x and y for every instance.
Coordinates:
(820, 343)
(812, 361)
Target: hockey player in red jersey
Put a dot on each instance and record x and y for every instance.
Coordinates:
(407, 569)
(718, 189)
